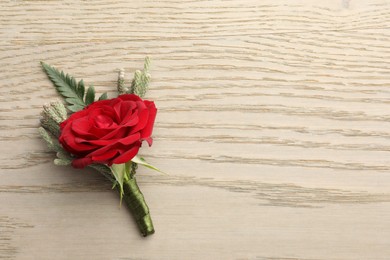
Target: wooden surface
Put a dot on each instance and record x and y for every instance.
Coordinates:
(273, 124)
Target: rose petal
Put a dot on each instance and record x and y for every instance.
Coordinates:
(103, 121)
(105, 156)
(143, 116)
(125, 141)
(100, 132)
(73, 117)
(149, 140)
(81, 162)
(67, 139)
(126, 108)
(148, 129)
(121, 131)
(81, 127)
(130, 97)
(126, 156)
(130, 119)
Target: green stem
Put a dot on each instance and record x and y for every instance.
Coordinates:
(135, 200)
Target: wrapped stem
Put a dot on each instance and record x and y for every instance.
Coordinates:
(135, 200)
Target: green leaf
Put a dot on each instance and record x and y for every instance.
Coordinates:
(75, 101)
(90, 97)
(139, 160)
(62, 162)
(63, 155)
(52, 143)
(121, 172)
(75, 108)
(103, 96)
(81, 89)
(67, 86)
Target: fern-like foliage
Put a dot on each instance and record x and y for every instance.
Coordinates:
(103, 96)
(72, 91)
(90, 96)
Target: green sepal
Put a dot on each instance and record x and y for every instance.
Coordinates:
(139, 160)
(114, 184)
(121, 173)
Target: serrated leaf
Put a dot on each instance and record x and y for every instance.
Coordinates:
(75, 101)
(75, 108)
(103, 96)
(139, 160)
(81, 89)
(90, 97)
(66, 86)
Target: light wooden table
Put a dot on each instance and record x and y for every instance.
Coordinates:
(273, 124)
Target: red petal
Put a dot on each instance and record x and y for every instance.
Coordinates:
(143, 116)
(124, 141)
(67, 139)
(148, 129)
(130, 97)
(81, 127)
(103, 121)
(126, 109)
(149, 140)
(105, 157)
(81, 162)
(126, 156)
(116, 133)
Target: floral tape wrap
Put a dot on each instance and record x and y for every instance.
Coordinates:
(134, 199)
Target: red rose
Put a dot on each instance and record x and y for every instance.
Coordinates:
(108, 131)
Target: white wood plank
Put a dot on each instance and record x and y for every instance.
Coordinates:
(273, 125)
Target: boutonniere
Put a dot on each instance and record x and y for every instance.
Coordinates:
(104, 134)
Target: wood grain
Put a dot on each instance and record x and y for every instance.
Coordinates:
(273, 126)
